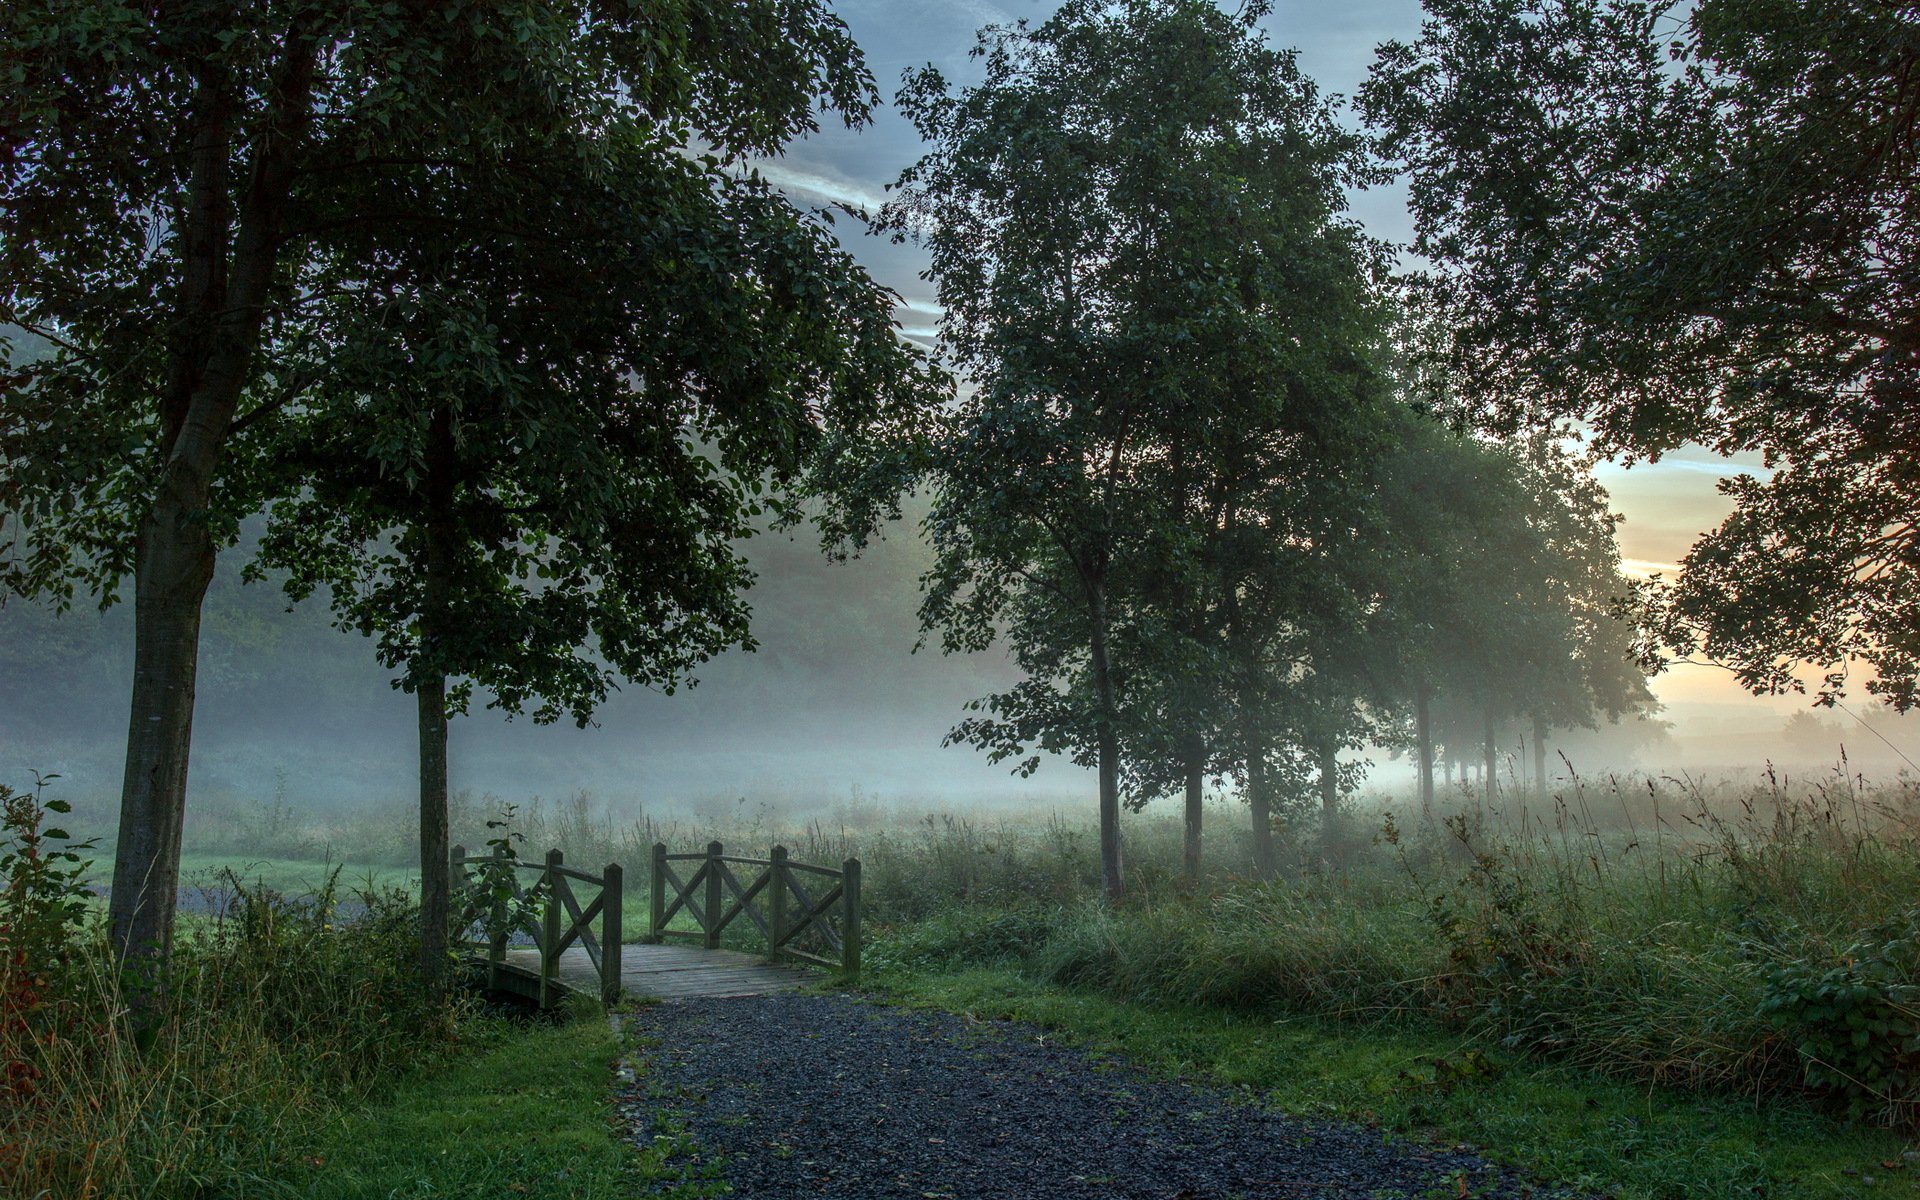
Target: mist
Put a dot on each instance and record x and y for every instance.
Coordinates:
(835, 708)
(834, 703)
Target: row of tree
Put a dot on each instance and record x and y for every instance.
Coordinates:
(1199, 484)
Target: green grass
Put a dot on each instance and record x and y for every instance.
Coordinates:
(530, 1117)
(1558, 1124)
(288, 876)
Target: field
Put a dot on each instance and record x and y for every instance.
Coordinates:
(1651, 987)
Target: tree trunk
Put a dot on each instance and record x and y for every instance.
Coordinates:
(1107, 735)
(1540, 754)
(1194, 761)
(1423, 725)
(173, 565)
(435, 870)
(436, 882)
(1446, 763)
(1491, 783)
(228, 272)
(1257, 799)
(1330, 839)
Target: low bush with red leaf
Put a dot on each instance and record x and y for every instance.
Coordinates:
(44, 904)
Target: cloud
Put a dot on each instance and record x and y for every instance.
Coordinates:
(1718, 467)
(1641, 568)
(797, 182)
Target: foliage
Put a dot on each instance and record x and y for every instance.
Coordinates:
(1167, 324)
(45, 890)
(490, 889)
(1695, 224)
(44, 898)
(1856, 1022)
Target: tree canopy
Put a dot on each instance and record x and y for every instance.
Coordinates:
(1696, 223)
(227, 222)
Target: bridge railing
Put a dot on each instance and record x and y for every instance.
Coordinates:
(716, 895)
(562, 922)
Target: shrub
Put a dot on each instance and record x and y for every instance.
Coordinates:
(1856, 1022)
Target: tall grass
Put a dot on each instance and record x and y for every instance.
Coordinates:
(1747, 940)
(1743, 937)
(276, 1012)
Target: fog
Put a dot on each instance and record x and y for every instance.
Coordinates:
(835, 706)
(834, 702)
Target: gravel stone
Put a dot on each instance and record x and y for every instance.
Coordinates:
(830, 1095)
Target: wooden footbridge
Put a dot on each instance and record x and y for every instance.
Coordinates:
(805, 915)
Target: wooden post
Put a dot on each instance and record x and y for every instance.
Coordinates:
(612, 896)
(776, 901)
(850, 918)
(497, 939)
(710, 919)
(458, 936)
(550, 932)
(657, 896)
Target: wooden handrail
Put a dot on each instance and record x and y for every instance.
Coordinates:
(790, 910)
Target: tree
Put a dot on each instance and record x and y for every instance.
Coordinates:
(1501, 592)
(1134, 229)
(189, 194)
(1697, 223)
(515, 454)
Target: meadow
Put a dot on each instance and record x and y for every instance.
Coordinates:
(1650, 986)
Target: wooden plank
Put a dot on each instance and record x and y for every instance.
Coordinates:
(672, 972)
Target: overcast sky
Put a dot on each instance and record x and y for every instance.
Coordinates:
(1667, 505)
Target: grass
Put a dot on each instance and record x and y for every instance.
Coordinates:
(530, 1117)
(1648, 986)
(1556, 1123)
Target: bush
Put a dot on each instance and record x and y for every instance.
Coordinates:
(1856, 1023)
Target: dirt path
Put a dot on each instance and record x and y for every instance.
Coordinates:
(809, 1096)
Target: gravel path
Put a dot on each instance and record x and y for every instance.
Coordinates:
(808, 1096)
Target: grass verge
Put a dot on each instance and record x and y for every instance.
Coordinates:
(531, 1117)
(1553, 1122)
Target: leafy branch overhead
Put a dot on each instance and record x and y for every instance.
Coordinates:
(1696, 224)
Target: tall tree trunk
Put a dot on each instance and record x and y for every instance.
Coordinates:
(1193, 761)
(435, 870)
(436, 882)
(1423, 727)
(1540, 754)
(1258, 799)
(228, 270)
(173, 566)
(1107, 735)
(1332, 844)
(1491, 782)
(1446, 763)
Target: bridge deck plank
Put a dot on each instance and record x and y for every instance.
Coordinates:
(672, 972)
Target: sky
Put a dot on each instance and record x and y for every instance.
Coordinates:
(1666, 505)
